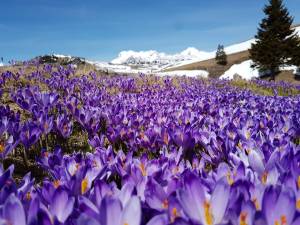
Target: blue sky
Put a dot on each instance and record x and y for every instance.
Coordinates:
(100, 29)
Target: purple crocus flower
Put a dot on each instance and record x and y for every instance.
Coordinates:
(64, 125)
(30, 134)
(279, 205)
(62, 205)
(112, 213)
(200, 208)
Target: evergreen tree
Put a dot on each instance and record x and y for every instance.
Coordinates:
(221, 57)
(277, 44)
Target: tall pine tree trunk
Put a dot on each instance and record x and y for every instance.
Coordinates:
(273, 74)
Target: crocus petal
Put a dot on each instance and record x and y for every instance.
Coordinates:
(269, 198)
(13, 211)
(86, 220)
(219, 200)
(110, 211)
(132, 212)
(159, 220)
(192, 198)
(256, 162)
(62, 205)
(285, 206)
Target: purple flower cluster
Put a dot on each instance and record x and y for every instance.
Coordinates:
(162, 151)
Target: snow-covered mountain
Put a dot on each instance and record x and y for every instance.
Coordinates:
(153, 60)
(151, 57)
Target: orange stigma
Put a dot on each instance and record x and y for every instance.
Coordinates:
(56, 183)
(243, 218)
(166, 138)
(165, 204)
(28, 196)
(1, 147)
(282, 221)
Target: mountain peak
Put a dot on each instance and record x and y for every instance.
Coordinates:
(157, 58)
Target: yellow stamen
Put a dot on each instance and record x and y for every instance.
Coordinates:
(248, 135)
(175, 170)
(256, 203)
(229, 179)
(264, 177)
(174, 214)
(84, 185)
(298, 182)
(231, 135)
(282, 221)
(143, 169)
(207, 213)
(1, 147)
(240, 145)
(298, 204)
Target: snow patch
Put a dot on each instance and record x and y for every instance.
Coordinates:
(1, 64)
(243, 46)
(297, 30)
(188, 73)
(62, 56)
(243, 69)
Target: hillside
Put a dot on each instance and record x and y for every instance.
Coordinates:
(212, 67)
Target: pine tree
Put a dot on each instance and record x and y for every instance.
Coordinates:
(221, 57)
(277, 43)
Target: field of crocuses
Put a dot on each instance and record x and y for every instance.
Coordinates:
(100, 150)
